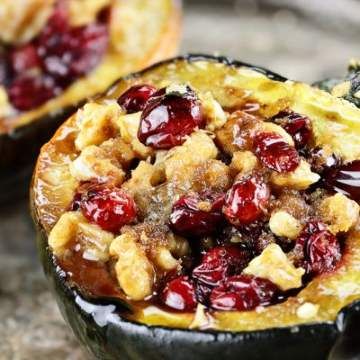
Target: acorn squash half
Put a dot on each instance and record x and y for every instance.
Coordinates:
(318, 320)
(101, 40)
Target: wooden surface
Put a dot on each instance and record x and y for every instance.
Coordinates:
(288, 42)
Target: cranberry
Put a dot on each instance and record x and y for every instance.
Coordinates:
(135, 98)
(345, 179)
(73, 53)
(243, 292)
(110, 208)
(25, 58)
(298, 126)
(27, 92)
(168, 118)
(219, 263)
(179, 294)
(246, 201)
(275, 153)
(320, 248)
(188, 218)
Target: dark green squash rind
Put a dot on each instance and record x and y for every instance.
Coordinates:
(121, 338)
(20, 148)
(353, 76)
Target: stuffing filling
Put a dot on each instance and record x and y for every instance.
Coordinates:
(183, 203)
(44, 50)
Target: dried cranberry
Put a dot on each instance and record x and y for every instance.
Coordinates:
(25, 58)
(110, 208)
(73, 53)
(275, 153)
(320, 248)
(179, 294)
(27, 92)
(197, 214)
(243, 292)
(345, 179)
(298, 126)
(219, 263)
(168, 118)
(135, 98)
(246, 201)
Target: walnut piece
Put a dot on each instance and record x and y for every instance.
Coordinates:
(212, 111)
(243, 162)
(134, 271)
(281, 223)
(73, 227)
(198, 148)
(94, 163)
(340, 212)
(128, 126)
(273, 264)
(299, 179)
(95, 122)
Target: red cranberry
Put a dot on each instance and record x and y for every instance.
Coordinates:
(243, 292)
(110, 208)
(135, 98)
(73, 53)
(298, 126)
(25, 58)
(275, 153)
(344, 179)
(246, 201)
(219, 263)
(168, 118)
(320, 248)
(179, 294)
(189, 220)
(27, 92)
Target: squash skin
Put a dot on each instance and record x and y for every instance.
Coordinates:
(118, 337)
(352, 94)
(20, 146)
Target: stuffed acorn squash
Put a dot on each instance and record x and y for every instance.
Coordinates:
(205, 207)
(56, 53)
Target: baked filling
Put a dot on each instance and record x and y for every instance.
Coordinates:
(179, 200)
(47, 49)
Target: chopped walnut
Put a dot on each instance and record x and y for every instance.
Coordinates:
(95, 122)
(198, 148)
(283, 224)
(141, 178)
(134, 271)
(94, 163)
(128, 126)
(73, 227)
(273, 264)
(299, 179)
(164, 259)
(212, 111)
(243, 162)
(339, 212)
(211, 174)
